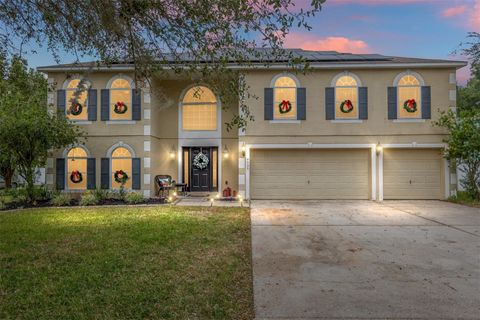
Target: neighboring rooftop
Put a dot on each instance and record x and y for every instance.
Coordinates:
(317, 59)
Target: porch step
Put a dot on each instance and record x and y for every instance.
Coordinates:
(200, 194)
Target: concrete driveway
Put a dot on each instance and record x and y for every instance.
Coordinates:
(364, 260)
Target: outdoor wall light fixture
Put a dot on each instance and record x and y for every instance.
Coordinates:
(379, 148)
(243, 150)
(226, 153)
(172, 153)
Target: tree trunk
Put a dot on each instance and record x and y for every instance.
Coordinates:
(7, 174)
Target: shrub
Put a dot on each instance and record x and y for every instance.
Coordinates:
(61, 199)
(100, 194)
(42, 193)
(133, 198)
(2, 205)
(88, 199)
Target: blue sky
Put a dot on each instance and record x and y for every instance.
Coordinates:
(415, 28)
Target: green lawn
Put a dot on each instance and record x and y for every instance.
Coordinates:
(126, 263)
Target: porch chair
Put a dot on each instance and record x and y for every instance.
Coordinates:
(164, 185)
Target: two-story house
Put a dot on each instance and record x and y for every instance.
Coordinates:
(356, 126)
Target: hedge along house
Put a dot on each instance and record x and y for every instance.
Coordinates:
(353, 127)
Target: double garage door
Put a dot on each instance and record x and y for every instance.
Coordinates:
(343, 174)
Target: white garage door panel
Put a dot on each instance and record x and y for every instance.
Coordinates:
(310, 174)
(412, 174)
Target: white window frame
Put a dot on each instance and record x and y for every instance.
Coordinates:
(65, 87)
(419, 103)
(204, 134)
(66, 157)
(334, 85)
(272, 85)
(110, 151)
(110, 109)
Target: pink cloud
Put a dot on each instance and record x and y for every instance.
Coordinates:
(454, 11)
(475, 17)
(340, 44)
(374, 2)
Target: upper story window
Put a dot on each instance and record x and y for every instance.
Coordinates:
(409, 97)
(285, 98)
(121, 168)
(77, 169)
(120, 99)
(199, 110)
(346, 98)
(76, 95)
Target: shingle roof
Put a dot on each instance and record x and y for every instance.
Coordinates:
(315, 58)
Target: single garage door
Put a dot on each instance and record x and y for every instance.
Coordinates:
(412, 174)
(309, 174)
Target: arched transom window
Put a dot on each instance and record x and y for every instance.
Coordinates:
(199, 110)
(285, 98)
(409, 97)
(77, 169)
(346, 98)
(121, 168)
(120, 100)
(76, 94)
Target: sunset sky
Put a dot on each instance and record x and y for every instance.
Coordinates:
(416, 28)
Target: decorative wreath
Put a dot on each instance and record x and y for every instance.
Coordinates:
(120, 107)
(76, 176)
(200, 161)
(285, 106)
(120, 176)
(410, 105)
(75, 108)
(346, 106)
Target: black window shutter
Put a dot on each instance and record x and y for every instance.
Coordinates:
(330, 103)
(301, 104)
(61, 97)
(60, 174)
(92, 105)
(91, 174)
(105, 173)
(105, 104)
(363, 103)
(268, 104)
(426, 103)
(136, 174)
(392, 102)
(136, 104)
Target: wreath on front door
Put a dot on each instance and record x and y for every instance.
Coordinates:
(76, 176)
(200, 161)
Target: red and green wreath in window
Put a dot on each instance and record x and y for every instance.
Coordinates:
(410, 105)
(75, 108)
(76, 176)
(120, 176)
(120, 107)
(285, 106)
(346, 106)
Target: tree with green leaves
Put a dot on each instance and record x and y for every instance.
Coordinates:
(199, 39)
(463, 148)
(27, 130)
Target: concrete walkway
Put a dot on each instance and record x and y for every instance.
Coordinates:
(365, 260)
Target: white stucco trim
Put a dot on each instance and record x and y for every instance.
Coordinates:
(373, 162)
(81, 146)
(249, 147)
(408, 73)
(109, 122)
(413, 120)
(117, 145)
(347, 121)
(81, 122)
(284, 74)
(76, 77)
(278, 121)
(446, 168)
(121, 76)
(452, 78)
(346, 73)
(412, 145)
